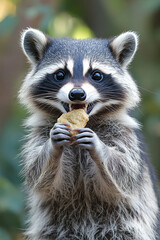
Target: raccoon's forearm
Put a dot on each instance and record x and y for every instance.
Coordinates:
(40, 159)
(121, 167)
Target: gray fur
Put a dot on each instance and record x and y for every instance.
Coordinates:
(99, 188)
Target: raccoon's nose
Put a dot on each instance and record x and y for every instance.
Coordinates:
(77, 94)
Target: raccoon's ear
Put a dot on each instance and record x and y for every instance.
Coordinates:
(124, 47)
(33, 43)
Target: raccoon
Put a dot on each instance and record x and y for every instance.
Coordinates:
(103, 185)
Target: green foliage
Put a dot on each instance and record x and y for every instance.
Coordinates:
(11, 198)
(11, 194)
(4, 234)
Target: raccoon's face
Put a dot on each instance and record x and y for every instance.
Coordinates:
(69, 74)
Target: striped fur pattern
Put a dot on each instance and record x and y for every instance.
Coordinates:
(101, 187)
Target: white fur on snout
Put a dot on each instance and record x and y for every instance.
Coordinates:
(91, 92)
(63, 93)
(101, 105)
(96, 108)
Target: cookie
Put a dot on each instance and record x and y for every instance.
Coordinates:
(76, 118)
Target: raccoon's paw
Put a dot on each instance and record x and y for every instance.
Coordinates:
(86, 139)
(60, 134)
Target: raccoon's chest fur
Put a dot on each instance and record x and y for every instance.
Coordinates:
(78, 210)
(76, 218)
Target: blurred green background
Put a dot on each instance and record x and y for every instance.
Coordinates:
(79, 19)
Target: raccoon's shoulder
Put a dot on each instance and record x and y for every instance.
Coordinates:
(120, 120)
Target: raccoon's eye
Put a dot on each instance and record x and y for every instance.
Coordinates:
(97, 75)
(59, 75)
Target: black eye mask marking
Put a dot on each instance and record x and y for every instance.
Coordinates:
(48, 87)
(107, 86)
(50, 84)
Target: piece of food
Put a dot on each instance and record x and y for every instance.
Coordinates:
(76, 118)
